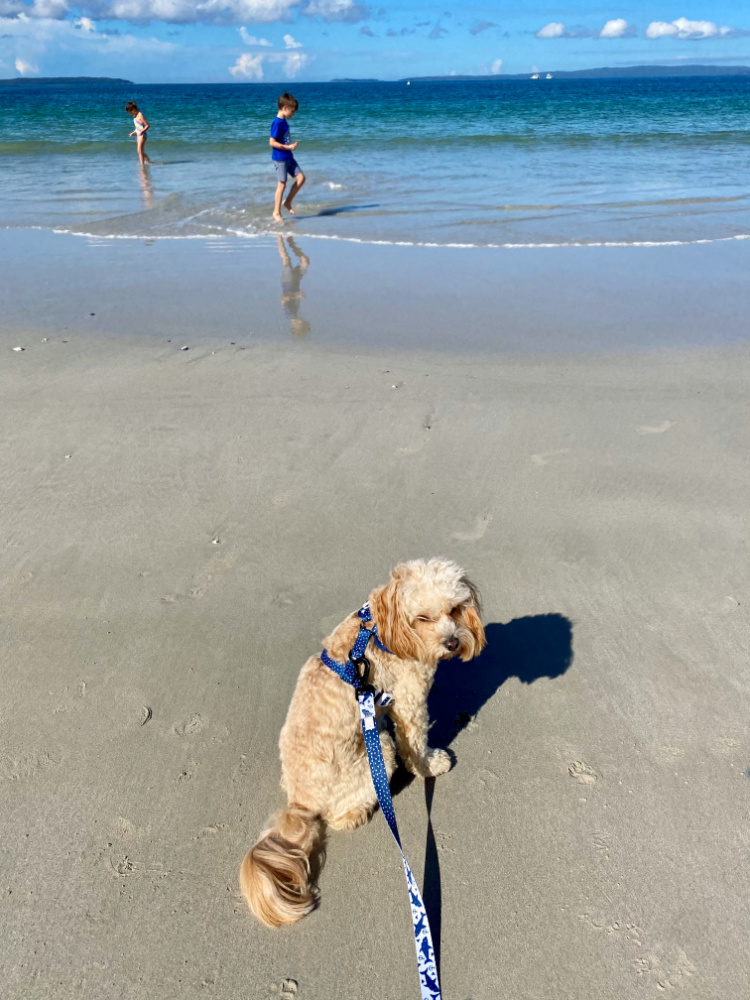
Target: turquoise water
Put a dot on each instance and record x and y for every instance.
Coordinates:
(489, 163)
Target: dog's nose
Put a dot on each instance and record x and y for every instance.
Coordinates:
(451, 644)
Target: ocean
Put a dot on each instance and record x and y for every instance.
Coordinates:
(481, 163)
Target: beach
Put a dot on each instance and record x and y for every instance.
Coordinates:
(194, 495)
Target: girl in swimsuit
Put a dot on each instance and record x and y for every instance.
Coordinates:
(141, 128)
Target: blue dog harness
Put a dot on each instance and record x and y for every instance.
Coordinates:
(356, 672)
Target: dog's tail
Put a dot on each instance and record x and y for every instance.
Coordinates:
(275, 876)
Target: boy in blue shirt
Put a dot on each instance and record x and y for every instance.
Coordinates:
(283, 155)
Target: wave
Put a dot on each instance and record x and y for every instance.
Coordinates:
(116, 146)
(271, 231)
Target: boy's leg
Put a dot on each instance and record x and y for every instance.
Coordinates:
(277, 200)
(299, 180)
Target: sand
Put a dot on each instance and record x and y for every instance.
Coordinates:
(180, 529)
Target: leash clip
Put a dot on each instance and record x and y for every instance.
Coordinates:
(361, 673)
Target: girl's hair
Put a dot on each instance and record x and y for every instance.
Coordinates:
(132, 108)
(287, 101)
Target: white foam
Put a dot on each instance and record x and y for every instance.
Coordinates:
(244, 234)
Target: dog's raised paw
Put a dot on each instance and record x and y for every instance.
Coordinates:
(437, 762)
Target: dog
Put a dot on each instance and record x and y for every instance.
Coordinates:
(427, 612)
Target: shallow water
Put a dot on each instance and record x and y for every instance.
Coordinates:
(520, 163)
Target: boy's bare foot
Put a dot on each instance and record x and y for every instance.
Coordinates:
(289, 209)
(277, 217)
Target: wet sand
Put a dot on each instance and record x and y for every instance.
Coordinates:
(477, 301)
(180, 529)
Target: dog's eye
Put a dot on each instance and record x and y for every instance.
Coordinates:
(423, 618)
(454, 611)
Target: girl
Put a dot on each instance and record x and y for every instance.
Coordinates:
(141, 128)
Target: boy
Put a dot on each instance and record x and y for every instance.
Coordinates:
(141, 128)
(282, 155)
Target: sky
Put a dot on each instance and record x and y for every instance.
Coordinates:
(173, 41)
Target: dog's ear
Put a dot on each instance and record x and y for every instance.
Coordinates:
(471, 620)
(394, 628)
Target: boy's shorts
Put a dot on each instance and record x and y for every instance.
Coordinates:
(286, 169)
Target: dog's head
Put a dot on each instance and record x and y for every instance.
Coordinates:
(429, 611)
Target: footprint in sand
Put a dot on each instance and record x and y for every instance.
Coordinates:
(658, 429)
(190, 726)
(583, 773)
(25, 766)
(544, 457)
(481, 525)
(216, 568)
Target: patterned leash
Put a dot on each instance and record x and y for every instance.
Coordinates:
(355, 672)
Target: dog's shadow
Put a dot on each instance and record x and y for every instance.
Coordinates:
(526, 648)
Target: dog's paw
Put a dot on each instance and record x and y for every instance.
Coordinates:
(350, 820)
(435, 763)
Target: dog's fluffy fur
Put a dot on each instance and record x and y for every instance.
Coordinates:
(427, 612)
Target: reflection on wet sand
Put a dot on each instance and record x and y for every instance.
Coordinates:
(147, 186)
(291, 276)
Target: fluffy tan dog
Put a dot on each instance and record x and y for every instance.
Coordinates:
(427, 612)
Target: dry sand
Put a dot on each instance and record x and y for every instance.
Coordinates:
(179, 531)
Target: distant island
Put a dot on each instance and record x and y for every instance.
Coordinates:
(601, 73)
(70, 80)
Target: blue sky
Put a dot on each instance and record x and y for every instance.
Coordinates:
(152, 41)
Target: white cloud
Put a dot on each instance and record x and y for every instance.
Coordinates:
(192, 12)
(616, 28)
(25, 68)
(496, 66)
(55, 9)
(31, 38)
(57, 46)
(251, 67)
(219, 12)
(552, 30)
(687, 30)
(337, 10)
(51, 9)
(249, 39)
(294, 62)
(657, 29)
(85, 24)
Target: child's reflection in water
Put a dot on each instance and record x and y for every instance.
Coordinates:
(147, 186)
(291, 276)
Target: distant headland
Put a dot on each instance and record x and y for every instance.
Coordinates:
(67, 80)
(600, 73)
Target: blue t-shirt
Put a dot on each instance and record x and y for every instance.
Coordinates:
(280, 132)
